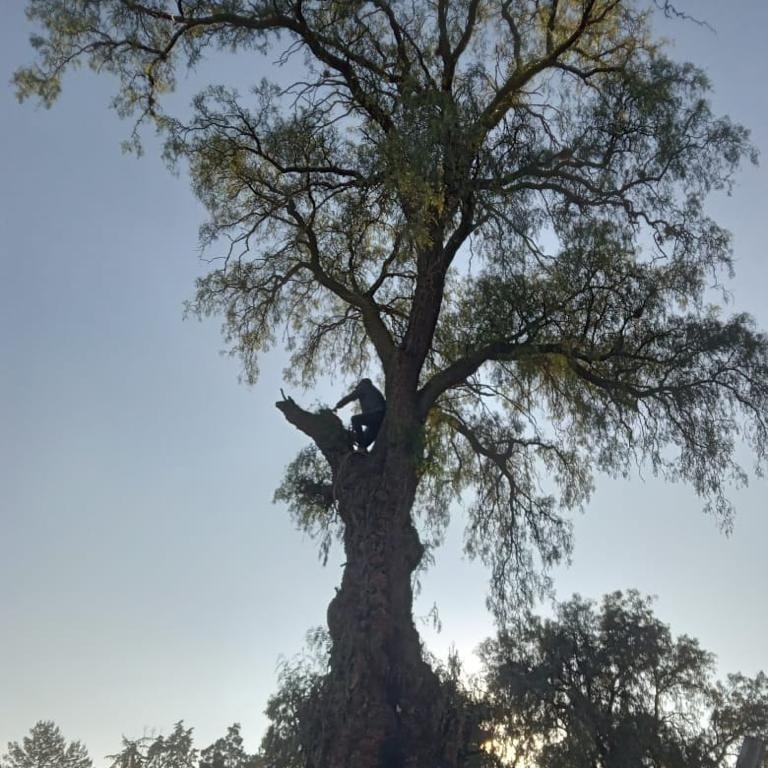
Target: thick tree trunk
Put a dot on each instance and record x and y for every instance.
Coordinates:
(381, 704)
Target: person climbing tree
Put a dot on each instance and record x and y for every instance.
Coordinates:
(365, 425)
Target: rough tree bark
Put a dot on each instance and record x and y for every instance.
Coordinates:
(382, 704)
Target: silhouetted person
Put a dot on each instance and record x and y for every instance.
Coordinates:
(365, 425)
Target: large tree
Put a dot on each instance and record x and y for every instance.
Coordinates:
(499, 206)
(611, 687)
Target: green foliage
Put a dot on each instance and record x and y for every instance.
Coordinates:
(294, 711)
(500, 202)
(610, 686)
(45, 747)
(308, 490)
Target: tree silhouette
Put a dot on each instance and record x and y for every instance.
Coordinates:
(500, 205)
(45, 747)
(612, 687)
(177, 750)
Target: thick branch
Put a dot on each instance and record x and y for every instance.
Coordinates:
(324, 427)
(460, 370)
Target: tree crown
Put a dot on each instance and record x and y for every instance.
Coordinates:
(610, 685)
(499, 203)
(45, 747)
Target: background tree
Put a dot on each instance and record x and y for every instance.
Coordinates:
(228, 752)
(177, 750)
(594, 686)
(612, 687)
(501, 205)
(173, 751)
(45, 747)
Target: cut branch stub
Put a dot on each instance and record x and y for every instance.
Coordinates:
(324, 427)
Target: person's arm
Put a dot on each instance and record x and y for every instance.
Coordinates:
(353, 395)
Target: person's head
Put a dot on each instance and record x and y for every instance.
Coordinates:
(365, 384)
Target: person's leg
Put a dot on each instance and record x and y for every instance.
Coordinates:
(372, 422)
(357, 427)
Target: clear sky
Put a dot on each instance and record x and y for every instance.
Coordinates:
(145, 575)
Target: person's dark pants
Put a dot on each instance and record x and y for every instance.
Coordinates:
(372, 423)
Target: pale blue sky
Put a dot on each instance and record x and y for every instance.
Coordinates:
(145, 575)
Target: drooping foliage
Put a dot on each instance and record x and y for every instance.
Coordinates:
(504, 196)
(292, 708)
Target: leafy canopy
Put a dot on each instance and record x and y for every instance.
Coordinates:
(499, 201)
(609, 686)
(45, 747)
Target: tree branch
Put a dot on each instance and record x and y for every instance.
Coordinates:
(374, 325)
(325, 428)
